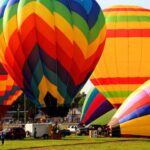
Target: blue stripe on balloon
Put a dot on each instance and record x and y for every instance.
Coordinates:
(93, 15)
(145, 110)
(2, 70)
(2, 7)
(86, 4)
(12, 2)
(88, 9)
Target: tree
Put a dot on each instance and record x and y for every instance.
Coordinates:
(78, 100)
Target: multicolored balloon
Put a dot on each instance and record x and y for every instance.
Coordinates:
(105, 119)
(124, 64)
(50, 48)
(9, 91)
(132, 118)
(95, 106)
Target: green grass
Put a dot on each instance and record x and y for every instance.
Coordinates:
(80, 143)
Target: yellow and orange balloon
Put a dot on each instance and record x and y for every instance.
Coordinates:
(124, 64)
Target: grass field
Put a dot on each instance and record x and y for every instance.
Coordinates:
(79, 143)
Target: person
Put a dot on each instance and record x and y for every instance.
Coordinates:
(2, 138)
(99, 130)
(35, 132)
(56, 128)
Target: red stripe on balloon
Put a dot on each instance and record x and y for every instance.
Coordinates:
(11, 99)
(116, 105)
(126, 9)
(119, 80)
(2, 93)
(8, 88)
(128, 33)
(3, 77)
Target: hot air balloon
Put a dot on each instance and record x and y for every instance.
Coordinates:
(9, 91)
(95, 106)
(50, 48)
(124, 64)
(132, 118)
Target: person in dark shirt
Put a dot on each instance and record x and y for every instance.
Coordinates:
(35, 132)
(2, 138)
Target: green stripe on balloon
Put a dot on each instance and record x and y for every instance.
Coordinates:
(116, 94)
(95, 31)
(104, 119)
(127, 18)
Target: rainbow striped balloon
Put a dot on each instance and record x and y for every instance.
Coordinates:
(95, 106)
(132, 118)
(124, 64)
(9, 91)
(50, 47)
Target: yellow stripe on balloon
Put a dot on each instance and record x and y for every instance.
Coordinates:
(64, 26)
(9, 80)
(129, 25)
(46, 86)
(2, 86)
(37, 8)
(124, 6)
(117, 100)
(2, 48)
(117, 87)
(139, 126)
(9, 31)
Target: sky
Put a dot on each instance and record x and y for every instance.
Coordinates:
(107, 3)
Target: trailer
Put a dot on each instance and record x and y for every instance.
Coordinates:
(42, 129)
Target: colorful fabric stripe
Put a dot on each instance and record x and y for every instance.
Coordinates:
(95, 106)
(57, 46)
(123, 66)
(9, 91)
(132, 117)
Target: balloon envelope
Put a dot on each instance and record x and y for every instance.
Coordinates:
(105, 118)
(124, 64)
(50, 48)
(132, 118)
(95, 106)
(9, 91)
